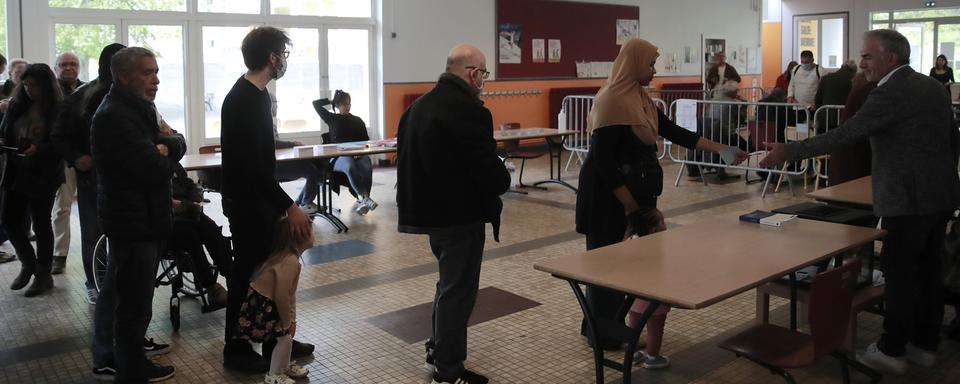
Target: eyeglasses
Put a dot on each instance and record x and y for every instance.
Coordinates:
(485, 72)
(285, 54)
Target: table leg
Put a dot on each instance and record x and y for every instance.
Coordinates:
(592, 331)
(556, 153)
(793, 301)
(325, 208)
(632, 335)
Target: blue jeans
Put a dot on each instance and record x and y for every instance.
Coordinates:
(125, 307)
(359, 171)
(292, 170)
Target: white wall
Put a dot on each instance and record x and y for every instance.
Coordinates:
(427, 29)
(677, 24)
(859, 18)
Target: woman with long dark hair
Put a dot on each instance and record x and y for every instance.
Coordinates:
(941, 71)
(32, 173)
(345, 128)
(783, 81)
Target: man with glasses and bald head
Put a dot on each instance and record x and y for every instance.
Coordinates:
(449, 182)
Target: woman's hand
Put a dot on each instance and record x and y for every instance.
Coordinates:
(293, 329)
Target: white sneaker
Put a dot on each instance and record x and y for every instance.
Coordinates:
(921, 357)
(277, 379)
(295, 371)
(874, 358)
(361, 209)
(370, 203)
(309, 208)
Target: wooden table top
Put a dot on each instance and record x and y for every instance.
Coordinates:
(529, 133)
(858, 192)
(700, 264)
(364, 148)
(305, 152)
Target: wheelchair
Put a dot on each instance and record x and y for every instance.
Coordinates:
(176, 271)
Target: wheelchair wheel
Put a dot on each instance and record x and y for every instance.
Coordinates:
(175, 313)
(99, 263)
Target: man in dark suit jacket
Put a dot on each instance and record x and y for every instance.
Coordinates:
(909, 123)
(449, 180)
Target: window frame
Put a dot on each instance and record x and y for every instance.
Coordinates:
(193, 21)
(819, 17)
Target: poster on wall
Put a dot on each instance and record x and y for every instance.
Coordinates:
(539, 51)
(554, 52)
(509, 43)
(808, 37)
(626, 30)
(689, 55)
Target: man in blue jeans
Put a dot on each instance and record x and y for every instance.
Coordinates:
(134, 156)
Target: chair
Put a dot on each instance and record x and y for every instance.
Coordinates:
(512, 151)
(778, 349)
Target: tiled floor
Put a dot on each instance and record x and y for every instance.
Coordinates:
(46, 339)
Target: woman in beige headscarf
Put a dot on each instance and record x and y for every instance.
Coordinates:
(624, 126)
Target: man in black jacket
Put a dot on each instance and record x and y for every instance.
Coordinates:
(134, 160)
(449, 180)
(252, 198)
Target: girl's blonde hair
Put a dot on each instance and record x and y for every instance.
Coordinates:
(284, 240)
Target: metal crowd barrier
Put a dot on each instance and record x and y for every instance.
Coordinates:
(826, 117)
(574, 111)
(747, 125)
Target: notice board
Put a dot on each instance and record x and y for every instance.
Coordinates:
(578, 32)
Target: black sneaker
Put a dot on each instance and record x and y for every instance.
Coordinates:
(467, 377)
(157, 373)
(301, 350)
(241, 357)
(429, 364)
(105, 372)
(151, 348)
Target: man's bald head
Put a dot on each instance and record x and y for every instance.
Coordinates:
(465, 55)
(468, 63)
(67, 67)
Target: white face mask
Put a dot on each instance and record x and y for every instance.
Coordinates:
(807, 66)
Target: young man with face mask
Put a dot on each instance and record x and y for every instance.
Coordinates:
(252, 197)
(449, 182)
(805, 81)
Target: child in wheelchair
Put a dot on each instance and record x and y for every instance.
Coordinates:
(193, 231)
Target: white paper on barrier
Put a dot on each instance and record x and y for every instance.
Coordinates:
(686, 114)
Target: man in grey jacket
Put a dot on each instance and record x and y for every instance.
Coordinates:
(909, 123)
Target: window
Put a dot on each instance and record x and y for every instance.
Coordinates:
(337, 8)
(222, 66)
(300, 85)
(3, 36)
(86, 40)
(131, 5)
(229, 6)
(348, 53)
(166, 41)
(824, 35)
(931, 32)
